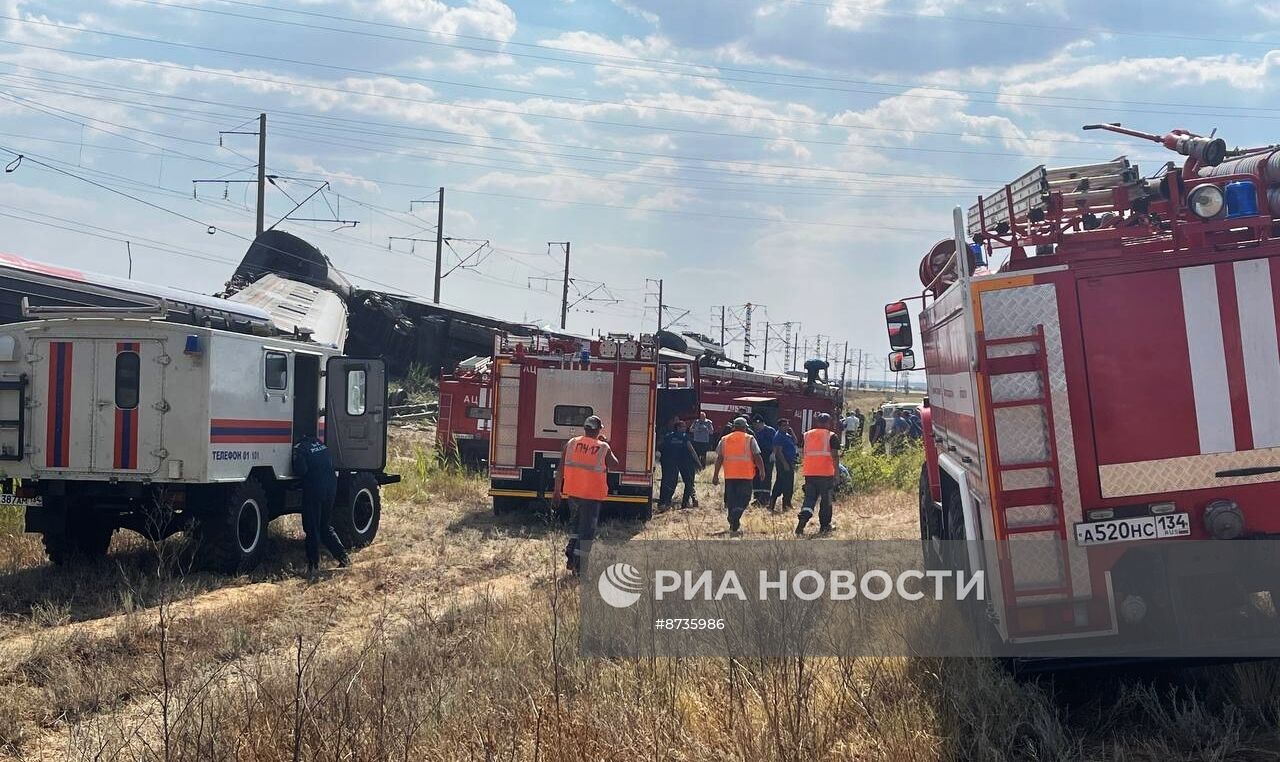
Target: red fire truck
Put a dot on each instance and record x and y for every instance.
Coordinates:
(545, 387)
(466, 415)
(1109, 391)
(728, 388)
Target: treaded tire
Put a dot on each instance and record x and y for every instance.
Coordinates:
(504, 504)
(954, 555)
(645, 512)
(357, 510)
(87, 540)
(930, 524)
(233, 534)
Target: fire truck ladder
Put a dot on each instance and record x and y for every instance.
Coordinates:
(1036, 362)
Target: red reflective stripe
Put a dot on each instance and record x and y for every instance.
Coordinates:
(126, 438)
(1233, 348)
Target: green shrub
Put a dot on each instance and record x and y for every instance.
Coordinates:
(870, 470)
(427, 473)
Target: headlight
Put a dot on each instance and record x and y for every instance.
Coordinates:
(1206, 201)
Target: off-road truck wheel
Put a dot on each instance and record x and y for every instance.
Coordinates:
(930, 524)
(232, 535)
(85, 538)
(357, 509)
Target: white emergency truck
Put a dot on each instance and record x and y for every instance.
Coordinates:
(118, 418)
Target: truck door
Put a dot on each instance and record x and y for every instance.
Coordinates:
(355, 413)
(128, 405)
(62, 393)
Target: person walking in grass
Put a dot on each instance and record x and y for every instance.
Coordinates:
(764, 439)
(821, 463)
(785, 450)
(738, 455)
(584, 479)
(700, 432)
(679, 462)
(313, 466)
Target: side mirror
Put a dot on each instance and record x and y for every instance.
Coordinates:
(898, 318)
(902, 360)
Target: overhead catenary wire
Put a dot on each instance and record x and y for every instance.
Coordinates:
(362, 124)
(628, 105)
(897, 180)
(700, 69)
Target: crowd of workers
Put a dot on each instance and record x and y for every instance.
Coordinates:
(758, 463)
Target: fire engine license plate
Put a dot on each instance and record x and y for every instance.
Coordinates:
(17, 500)
(1128, 530)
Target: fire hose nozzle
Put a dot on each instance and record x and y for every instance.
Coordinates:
(1208, 151)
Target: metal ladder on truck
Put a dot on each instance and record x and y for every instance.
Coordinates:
(1050, 495)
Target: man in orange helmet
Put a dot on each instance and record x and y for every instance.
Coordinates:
(583, 477)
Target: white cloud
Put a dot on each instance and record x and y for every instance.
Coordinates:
(484, 18)
(854, 14)
(646, 16)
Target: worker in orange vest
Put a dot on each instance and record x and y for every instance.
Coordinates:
(821, 464)
(584, 478)
(738, 455)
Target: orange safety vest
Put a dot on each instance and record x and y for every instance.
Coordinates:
(585, 475)
(817, 453)
(736, 456)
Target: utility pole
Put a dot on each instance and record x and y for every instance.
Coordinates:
(659, 305)
(262, 175)
(858, 383)
(747, 354)
(786, 346)
(766, 345)
(435, 294)
(844, 368)
(564, 298)
(722, 347)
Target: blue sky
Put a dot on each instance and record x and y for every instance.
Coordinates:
(797, 154)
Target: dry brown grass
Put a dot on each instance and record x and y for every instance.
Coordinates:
(451, 638)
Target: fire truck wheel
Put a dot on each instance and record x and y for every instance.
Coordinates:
(502, 505)
(953, 552)
(87, 540)
(930, 524)
(231, 536)
(357, 510)
(645, 512)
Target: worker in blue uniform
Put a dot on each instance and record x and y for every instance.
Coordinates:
(313, 466)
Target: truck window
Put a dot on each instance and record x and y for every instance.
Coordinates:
(127, 371)
(481, 413)
(355, 391)
(277, 373)
(572, 415)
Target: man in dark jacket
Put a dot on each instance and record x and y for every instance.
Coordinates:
(312, 464)
(679, 462)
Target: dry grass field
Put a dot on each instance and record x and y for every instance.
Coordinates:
(453, 637)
